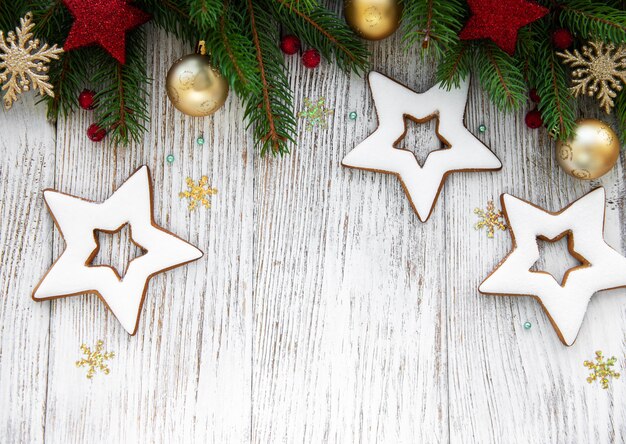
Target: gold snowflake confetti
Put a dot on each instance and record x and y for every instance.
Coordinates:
(600, 71)
(601, 370)
(22, 64)
(315, 113)
(94, 360)
(490, 218)
(198, 194)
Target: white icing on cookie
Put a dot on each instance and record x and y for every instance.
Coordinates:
(566, 305)
(377, 153)
(77, 219)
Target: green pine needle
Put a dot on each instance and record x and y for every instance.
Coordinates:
(557, 106)
(235, 54)
(10, 14)
(594, 20)
(433, 25)
(528, 39)
(501, 77)
(243, 40)
(455, 64)
(173, 16)
(67, 77)
(323, 30)
(270, 112)
(122, 107)
(205, 13)
(52, 20)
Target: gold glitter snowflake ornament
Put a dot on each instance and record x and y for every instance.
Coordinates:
(198, 194)
(599, 70)
(490, 218)
(94, 360)
(601, 370)
(23, 65)
(315, 113)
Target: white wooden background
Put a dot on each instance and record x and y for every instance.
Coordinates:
(322, 311)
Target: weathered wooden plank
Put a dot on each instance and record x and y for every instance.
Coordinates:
(186, 374)
(27, 143)
(508, 383)
(350, 292)
(323, 310)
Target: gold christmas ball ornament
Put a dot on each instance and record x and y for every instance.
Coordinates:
(591, 152)
(194, 86)
(373, 19)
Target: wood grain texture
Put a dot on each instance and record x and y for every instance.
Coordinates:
(507, 382)
(27, 144)
(349, 303)
(323, 310)
(186, 374)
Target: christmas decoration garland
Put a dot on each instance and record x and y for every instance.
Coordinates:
(512, 56)
(242, 38)
(514, 46)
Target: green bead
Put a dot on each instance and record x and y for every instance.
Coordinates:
(200, 140)
(527, 325)
(482, 128)
(170, 158)
(352, 115)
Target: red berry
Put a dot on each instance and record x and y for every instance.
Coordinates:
(86, 99)
(311, 58)
(290, 44)
(533, 119)
(562, 39)
(534, 96)
(95, 133)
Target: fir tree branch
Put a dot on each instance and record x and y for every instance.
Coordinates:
(302, 5)
(556, 104)
(68, 76)
(235, 53)
(454, 65)
(500, 77)
(58, 79)
(233, 50)
(593, 20)
(323, 30)
(205, 13)
(71, 73)
(53, 21)
(242, 37)
(11, 12)
(271, 113)
(526, 52)
(172, 16)
(433, 24)
(122, 108)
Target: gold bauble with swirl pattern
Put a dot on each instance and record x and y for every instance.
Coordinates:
(591, 152)
(195, 87)
(373, 19)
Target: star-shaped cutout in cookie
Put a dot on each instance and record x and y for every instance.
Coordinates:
(78, 220)
(395, 102)
(565, 302)
(103, 22)
(500, 21)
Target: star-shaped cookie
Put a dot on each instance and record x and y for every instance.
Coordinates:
(77, 220)
(565, 302)
(378, 152)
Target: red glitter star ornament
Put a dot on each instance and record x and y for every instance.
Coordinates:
(103, 22)
(500, 20)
